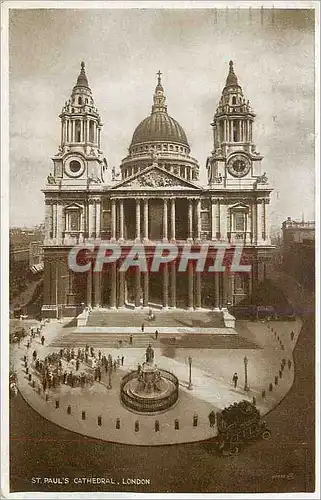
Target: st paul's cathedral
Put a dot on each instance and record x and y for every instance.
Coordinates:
(156, 197)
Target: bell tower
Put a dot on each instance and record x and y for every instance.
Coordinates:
(234, 160)
(79, 158)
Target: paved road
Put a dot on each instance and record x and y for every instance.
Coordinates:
(283, 464)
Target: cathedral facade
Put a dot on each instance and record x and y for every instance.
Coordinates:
(155, 197)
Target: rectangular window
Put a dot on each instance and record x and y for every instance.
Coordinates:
(239, 221)
(74, 221)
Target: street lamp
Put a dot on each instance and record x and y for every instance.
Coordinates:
(246, 387)
(190, 373)
(109, 377)
(110, 369)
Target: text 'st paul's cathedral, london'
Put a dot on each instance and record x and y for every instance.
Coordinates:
(155, 198)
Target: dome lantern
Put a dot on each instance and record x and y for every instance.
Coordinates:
(159, 125)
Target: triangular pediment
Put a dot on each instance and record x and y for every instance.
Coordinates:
(155, 177)
(240, 206)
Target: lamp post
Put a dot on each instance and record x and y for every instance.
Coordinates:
(190, 373)
(110, 369)
(246, 387)
(109, 377)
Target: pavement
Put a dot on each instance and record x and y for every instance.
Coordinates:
(283, 464)
(212, 370)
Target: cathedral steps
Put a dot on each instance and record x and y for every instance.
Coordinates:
(195, 341)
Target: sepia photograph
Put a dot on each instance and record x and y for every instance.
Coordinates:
(160, 186)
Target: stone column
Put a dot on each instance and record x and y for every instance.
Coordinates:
(87, 130)
(146, 289)
(137, 287)
(91, 219)
(190, 219)
(190, 286)
(73, 131)
(165, 286)
(240, 130)
(198, 285)
(259, 220)
(113, 219)
(89, 287)
(217, 290)
(48, 221)
(165, 221)
(213, 220)
(97, 289)
(198, 216)
(225, 130)
(98, 208)
(173, 284)
(225, 283)
(223, 221)
(59, 221)
(173, 215)
(137, 219)
(121, 281)
(54, 220)
(121, 219)
(146, 235)
(113, 295)
(62, 131)
(264, 217)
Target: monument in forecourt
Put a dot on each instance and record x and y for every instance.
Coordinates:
(156, 197)
(149, 389)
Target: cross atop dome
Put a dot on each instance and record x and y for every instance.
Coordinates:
(159, 74)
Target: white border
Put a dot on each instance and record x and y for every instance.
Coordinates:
(6, 5)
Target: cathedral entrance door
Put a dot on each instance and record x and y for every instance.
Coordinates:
(156, 219)
(156, 289)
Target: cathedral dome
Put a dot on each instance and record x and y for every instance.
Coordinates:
(159, 126)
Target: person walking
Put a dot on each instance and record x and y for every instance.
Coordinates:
(211, 418)
(118, 361)
(42, 340)
(235, 379)
(156, 334)
(143, 327)
(122, 360)
(34, 355)
(131, 340)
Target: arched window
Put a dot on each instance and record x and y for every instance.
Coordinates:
(77, 131)
(233, 99)
(86, 101)
(79, 100)
(235, 131)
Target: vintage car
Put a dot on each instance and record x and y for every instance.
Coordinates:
(238, 424)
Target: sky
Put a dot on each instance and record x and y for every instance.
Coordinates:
(273, 54)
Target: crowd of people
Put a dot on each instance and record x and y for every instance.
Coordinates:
(74, 367)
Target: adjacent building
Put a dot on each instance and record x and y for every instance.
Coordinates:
(157, 197)
(299, 250)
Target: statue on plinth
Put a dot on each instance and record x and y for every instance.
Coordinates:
(149, 354)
